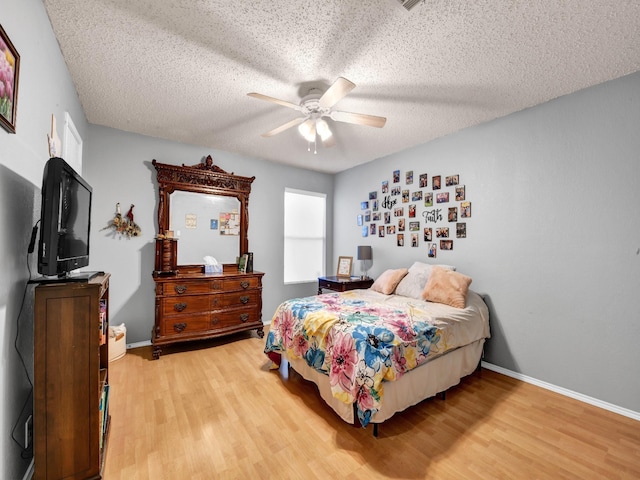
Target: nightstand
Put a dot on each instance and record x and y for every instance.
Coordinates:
(342, 284)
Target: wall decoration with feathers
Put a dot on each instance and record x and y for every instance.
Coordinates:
(124, 225)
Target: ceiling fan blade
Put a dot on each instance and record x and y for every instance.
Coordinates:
(359, 119)
(336, 91)
(284, 103)
(282, 128)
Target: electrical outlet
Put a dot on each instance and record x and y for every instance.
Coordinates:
(28, 431)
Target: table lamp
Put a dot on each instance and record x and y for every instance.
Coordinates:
(364, 255)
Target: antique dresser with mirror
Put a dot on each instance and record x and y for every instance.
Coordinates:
(203, 212)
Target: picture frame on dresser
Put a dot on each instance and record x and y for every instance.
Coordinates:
(344, 266)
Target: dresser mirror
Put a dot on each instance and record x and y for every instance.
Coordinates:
(205, 209)
(198, 221)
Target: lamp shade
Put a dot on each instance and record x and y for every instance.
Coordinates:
(364, 252)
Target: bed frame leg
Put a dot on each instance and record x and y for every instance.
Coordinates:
(442, 395)
(375, 430)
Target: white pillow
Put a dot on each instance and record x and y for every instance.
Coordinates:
(412, 285)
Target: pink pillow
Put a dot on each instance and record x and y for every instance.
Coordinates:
(446, 286)
(388, 281)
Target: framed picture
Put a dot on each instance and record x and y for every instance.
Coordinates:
(446, 244)
(190, 220)
(428, 199)
(452, 180)
(442, 197)
(344, 266)
(409, 177)
(465, 209)
(10, 66)
(424, 182)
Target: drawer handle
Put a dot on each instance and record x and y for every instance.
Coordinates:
(244, 317)
(216, 286)
(215, 302)
(245, 299)
(244, 284)
(180, 289)
(179, 327)
(215, 321)
(179, 307)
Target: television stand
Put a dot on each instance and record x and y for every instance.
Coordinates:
(71, 277)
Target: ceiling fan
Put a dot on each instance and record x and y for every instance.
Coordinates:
(314, 107)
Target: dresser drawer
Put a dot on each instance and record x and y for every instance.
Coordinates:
(186, 305)
(185, 288)
(185, 324)
(233, 317)
(238, 283)
(234, 299)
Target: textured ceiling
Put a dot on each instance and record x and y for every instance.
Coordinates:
(181, 70)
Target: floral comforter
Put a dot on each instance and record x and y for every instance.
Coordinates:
(361, 338)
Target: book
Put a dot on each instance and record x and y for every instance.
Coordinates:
(249, 263)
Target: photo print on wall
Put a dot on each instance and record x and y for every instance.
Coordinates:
(388, 218)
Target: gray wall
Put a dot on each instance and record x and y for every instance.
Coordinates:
(118, 167)
(45, 88)
(554, 238)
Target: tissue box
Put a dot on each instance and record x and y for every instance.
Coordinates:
(117, 342)
(212, 269)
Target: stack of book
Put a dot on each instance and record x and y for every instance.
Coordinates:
(104, 412)
(245, 263)
(104, 325)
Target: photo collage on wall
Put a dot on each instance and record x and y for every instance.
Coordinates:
(427, 213)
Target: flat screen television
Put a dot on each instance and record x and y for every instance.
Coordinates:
(65, 222)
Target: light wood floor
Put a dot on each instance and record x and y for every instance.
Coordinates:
(216, 411)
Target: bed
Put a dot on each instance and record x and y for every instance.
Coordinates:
(415, 333)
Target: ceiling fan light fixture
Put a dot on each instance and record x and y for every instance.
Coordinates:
(316, 105)
(307, 132)
(323, 130)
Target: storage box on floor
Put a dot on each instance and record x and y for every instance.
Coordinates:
(117, 342)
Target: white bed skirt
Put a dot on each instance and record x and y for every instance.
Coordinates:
(423, 382)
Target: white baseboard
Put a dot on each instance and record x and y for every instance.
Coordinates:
(563, 391)
(146, 343)
(29, 473)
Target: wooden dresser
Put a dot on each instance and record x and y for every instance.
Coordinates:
(192, 305)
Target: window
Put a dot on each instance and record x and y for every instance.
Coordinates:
(304, 235)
